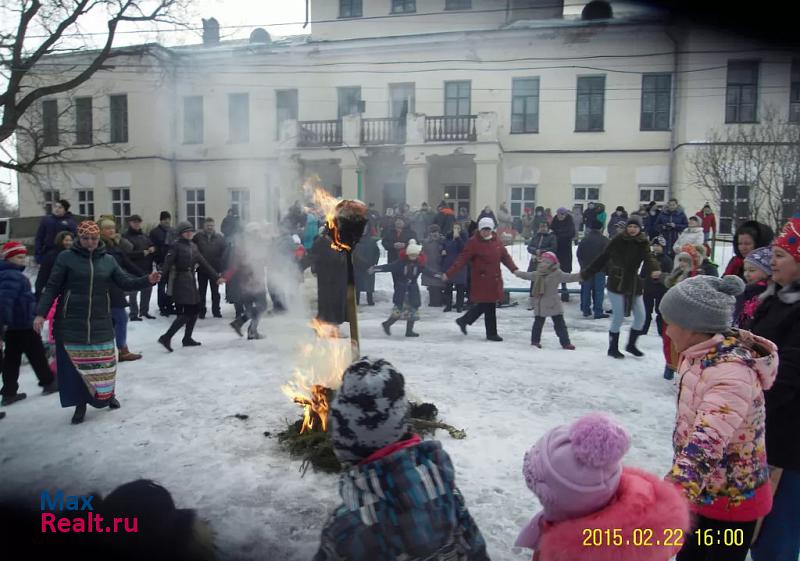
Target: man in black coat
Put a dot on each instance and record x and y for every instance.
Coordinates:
(162, 237)
(231, 224)
(395, 239)
(61, 219)
(592, 290)
(564, 229)
(142, 257)
(212, 246)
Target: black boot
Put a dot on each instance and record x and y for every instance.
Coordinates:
(165, 339)
(410, 329)
(613, 345)
(187, 335)
(237, 325)
(370, 299)
(80, 413)
(165, 342)
(387, 324)
(631, 346)
(113, 403)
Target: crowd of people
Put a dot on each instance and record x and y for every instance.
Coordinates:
(733, 341)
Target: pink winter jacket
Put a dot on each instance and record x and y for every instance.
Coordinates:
(720, 456)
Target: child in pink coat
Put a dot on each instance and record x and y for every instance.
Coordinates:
(720, 459)
(594, 508)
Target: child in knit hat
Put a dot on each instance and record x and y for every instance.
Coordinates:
(720, 460)
(545, 298)
(399, 497)
(757, 273)
(593, 507)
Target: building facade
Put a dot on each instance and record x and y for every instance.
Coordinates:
(474, 102)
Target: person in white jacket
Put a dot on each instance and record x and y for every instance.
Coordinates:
(693, 235)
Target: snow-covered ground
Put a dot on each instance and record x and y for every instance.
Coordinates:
(177, 423)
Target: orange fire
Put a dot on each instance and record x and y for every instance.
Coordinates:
(320, 369)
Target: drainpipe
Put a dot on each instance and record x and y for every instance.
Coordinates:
(174, 140)
(306, 23)
(674, 120)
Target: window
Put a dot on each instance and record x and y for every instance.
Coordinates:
(119, 118)
(457, 98)
(742, 93)
(120, 205)
(196, 206)
(193, 119)
(457, 197)
(522, 197)
(790, 201)
(458, 4)
(240, 200)
(404, 6)
(285, 108)
(591, 99)
(349, 8)
(794, 93)
(524, 105)
(86, 202)
(238, 118)
(349, 100)
(50, 122)
(734, 207)
(650, 193)
(51, 197)
(401, 100)
(656, 101)
(83, 120)
(585, 194)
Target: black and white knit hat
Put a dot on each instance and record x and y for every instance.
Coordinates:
(369, 411)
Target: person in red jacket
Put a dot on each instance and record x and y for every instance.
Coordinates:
(484, 252)
(709, 221)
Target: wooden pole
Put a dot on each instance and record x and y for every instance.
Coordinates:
(352, 309)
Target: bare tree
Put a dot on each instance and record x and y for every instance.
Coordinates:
(31, 71)
(763, 157)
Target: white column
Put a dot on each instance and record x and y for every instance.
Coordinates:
(486, 173)
(415, 128)
(351, 131)
(416, 183)
(349, 181)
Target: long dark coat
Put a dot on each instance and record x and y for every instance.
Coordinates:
(330, 266)
(365, 255)
(118, 299)
(49, 227)
(181, 261)
(140, 242)
(453, 247)
(391, 237)
(484, 257)
(45, 268)
(82, 279)
(564, 230)
(622, 259)
(432, 250)
(212, 247)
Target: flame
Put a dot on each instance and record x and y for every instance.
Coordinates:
(327, 203)
(321, 368)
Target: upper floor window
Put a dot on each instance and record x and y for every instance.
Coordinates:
(524, 105)
(240, 201)
(794, 93)
(458, 4)
(83, 120)
(741, 97)
(50, 122)
(656, 96)
(457, 98)
(193, 119)
(51, 197)
(349, 100)
(404, 6)
(119, 118)
(349, 8)
(285, 108)
(591, 102)
(238, 117)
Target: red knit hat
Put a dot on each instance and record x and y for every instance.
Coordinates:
(789, 238)
(11, 249)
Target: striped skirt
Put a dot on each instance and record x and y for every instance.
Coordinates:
(86, 373)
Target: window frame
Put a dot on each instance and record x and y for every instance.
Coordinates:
(790, 203)
(351, 8)
(191, 120)
(194, 217)
(586, 199)
(455, 5)
(590, 93)
(455, 203)
(655, 92)
(296, 113)
(118, 132)
(652, 188)
(50, 122)
(794, 91)
(242, 205)
(50, 197)
(234, 114)
(85, 202)
(405, 10)
(85, 126)
(739, 87)
(522, 200)
(458, 98)
(120, 206)
(340, 98)
(403, 87)
(735, 201)
(525, 101)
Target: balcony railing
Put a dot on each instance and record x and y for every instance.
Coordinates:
(451, 129)
(320, 133)
(383, 131)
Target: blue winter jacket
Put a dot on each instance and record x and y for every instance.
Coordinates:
(403, 506)
(454, 247)
(17, 302)
(311, 231)
(48, 228)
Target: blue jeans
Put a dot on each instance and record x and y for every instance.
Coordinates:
(779, 539)
(120, 319)
(618, 315)
(593, 291)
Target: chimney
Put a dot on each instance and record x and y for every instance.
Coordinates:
(210, 31)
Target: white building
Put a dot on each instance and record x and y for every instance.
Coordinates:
(472, 101)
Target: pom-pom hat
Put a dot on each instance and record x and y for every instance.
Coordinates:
(549, 256)
(10, 249)
(760, 258)
(574, 470)
(703, 304)
(789, 238)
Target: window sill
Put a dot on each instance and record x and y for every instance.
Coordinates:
(400, 13)
(118, 141)
(192, 143)
(589, 130)
(524, 132)
(350, 17)
(741, 122)
(456, 9)
(654, 130)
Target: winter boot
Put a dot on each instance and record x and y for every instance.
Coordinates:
(165, 342)
(669, 373)
(126, 356)
(52, 387)
(462, 325)
(148, 316)
(237, 326)
(80, 413)
(132, 317)
(410, 329)
(613, 345)
(493, 338)
(568, 347)
(113, 403)
(9, 399)
(217, 313)
(187, 335)
(631, 346)
(2, 414)
(370, 299)
(387, 324)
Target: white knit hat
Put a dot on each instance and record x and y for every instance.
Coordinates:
(413, 248)
(485, 222)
